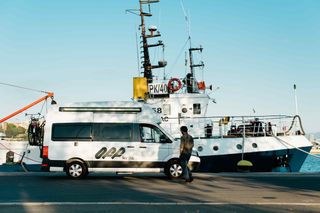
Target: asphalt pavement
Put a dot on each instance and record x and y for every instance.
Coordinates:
(214, 192)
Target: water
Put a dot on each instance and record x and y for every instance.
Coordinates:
(311, 164)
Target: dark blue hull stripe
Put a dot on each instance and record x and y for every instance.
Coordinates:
(266, 161)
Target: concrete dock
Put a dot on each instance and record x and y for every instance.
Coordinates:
(214, 192)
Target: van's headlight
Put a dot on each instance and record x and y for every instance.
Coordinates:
(194, 153)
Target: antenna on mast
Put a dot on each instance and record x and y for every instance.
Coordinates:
(190, 79)
(146, 62)
(147, 66)
(295, 98)
(138, 56)
(187, 21)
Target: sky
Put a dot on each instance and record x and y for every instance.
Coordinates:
(254, 52)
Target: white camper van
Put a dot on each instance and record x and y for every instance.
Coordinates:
(109, 136)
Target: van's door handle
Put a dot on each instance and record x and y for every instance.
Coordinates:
(144, 147)
(130, 146)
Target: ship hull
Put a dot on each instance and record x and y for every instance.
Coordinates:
(268, 160)
(284, 160)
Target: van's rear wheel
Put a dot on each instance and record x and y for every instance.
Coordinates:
(76, 170)
(174, 169)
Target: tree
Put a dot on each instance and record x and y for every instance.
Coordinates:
(12, 131)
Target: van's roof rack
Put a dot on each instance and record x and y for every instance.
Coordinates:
(101, 109)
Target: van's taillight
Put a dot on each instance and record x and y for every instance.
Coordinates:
(45, 151)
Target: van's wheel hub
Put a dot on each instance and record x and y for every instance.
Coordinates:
(175, 170)
(76, 170)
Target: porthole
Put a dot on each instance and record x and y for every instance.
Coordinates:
(215, 148)
(200, 148)
(239, 146)
(184, 110)
(254, 145)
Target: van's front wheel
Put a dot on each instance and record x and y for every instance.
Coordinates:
(76, 169)
(174, 169)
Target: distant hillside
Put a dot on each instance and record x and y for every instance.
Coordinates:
(316, 135)
(313, 136)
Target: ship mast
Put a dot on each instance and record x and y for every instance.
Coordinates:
(190, 78)
(192, 66)
(146, 63)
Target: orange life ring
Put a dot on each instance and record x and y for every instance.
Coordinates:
(173, 88)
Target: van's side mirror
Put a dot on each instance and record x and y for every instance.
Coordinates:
(165, 140)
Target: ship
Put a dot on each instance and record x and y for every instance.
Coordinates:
(224, 143)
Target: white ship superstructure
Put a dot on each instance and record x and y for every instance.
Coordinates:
(266, 142)
(263, 143)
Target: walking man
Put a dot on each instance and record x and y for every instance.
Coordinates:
(186, 146)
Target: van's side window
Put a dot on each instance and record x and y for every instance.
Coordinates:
(71, 132)
(112, 132)
(151, 134)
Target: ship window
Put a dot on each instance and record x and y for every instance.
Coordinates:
(166, 109)
(184, 110)
(239, 146)
(196, 109)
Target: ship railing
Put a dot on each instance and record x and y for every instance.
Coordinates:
(236, 126)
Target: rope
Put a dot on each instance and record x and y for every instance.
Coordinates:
(26, 88)
(176, 60)
(308, 153)
(20, 154)
(22, 164)
(292, 123)
(44, 104)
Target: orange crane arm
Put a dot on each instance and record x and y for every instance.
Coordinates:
(49, 94)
